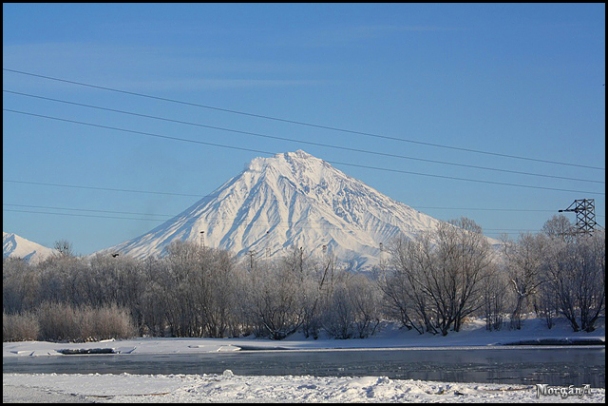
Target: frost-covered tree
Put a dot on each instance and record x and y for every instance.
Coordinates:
(574, 278)
(591, 279)
(154, 301)
(199, 290)
(61, 279)
(365, 298)
(20, 285)
(278, 302)
(524, 259)
(440, 275)
(215, 292)
(462, 258)
(63, 248)
(558, 227)
(495, 293)
(338, 313)
(318, 286)
(405, 297)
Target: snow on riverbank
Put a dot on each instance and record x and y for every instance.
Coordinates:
(474, 334)
(228, 387)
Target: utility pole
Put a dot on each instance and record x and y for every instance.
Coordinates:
(585, 215)
(251, 254)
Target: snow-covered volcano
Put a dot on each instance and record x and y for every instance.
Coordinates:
(290, 199)
(15, 246)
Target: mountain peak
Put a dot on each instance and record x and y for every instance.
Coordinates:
(260, 163)
(297, 154)
(15, 246)
(289, 199)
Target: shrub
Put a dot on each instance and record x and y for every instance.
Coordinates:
(112, 322)
(62, 322)
(58, 322)
(20, 327)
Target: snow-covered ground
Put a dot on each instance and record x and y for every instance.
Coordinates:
(228, 387)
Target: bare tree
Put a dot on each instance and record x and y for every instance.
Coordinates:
(591, 279)
(20, 285)
(182, 266)
(353, 308)
(405, 297)
(524, 265)
(439, 276)
(215, 292)
(60, 279)
(574, 278)
(155, 301)
(462, 258)
(318, 286)
(338, 314)
(495, 297)
(277, 295)
(559, 227)
(365, 299)
(64, 248)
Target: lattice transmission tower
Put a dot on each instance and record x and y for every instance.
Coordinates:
(585, 215)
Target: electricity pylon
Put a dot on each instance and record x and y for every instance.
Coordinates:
(585, 215)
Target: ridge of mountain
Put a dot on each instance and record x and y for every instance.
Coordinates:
(292, 199)
(15, 246)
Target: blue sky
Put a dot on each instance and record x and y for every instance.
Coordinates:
(419, 90)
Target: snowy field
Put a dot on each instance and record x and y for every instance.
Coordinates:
(231, 388)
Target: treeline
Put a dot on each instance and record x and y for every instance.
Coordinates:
(432, 284)
(437, 280)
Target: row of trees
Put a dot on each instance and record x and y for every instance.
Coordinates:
(431, 283)
(436, 280)
(197, 291)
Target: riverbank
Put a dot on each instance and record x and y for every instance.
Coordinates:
(533, 332)
(232, 388)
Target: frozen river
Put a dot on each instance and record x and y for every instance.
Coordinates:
(514, 365)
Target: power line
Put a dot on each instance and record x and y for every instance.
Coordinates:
(87, 210)
(79, 215)
(270, 153)
(101, 188)
(491, 231)
(300, 141)
(139, 132)
(171, 215)
(484, 209)
(300, 122)
(468, 180)
(282, 226)
(486, 230)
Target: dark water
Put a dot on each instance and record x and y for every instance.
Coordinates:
(554, 366)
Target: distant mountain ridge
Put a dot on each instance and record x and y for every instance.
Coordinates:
(14, 246)
(290, 199)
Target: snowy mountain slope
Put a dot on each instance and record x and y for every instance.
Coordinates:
(15, 246)
(291, 199)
